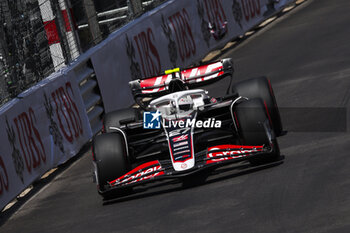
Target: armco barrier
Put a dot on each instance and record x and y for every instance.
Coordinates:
(49, 123)
(84, 74)
(41, 129)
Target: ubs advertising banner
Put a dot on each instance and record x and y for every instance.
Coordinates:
(46, 126)
(176, 34)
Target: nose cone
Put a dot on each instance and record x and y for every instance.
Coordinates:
(183, 166)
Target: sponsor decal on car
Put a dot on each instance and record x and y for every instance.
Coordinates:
(180, 138)
(241, 151)
(181, 152)
(142, 172)
(181, 148)
(180, 144)
(183, 157)
(184, 166)
(185, 75)
(176, 132)
(142, 175)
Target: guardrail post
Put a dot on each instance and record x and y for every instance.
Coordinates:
(61, 30)
(135, 8)
(3, 53)
(70, 32)
(92, 21)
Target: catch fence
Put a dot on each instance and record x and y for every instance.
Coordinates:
(38, 37)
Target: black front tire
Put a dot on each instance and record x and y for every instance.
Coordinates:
(261, 88)
(110, 155)
(250, 117)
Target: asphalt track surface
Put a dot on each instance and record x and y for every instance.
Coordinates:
(307, 57)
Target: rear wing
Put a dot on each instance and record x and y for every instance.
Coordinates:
(191, 77)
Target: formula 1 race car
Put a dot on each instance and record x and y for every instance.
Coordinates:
(178, 129)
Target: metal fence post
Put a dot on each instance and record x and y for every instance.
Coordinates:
(92, 21)
(61, 30)
(3, 52)
(68, 29)
(135, 8)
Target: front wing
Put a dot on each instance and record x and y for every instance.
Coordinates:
(159, 170)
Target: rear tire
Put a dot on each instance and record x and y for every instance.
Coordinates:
(111, 160)
(261, 88)
(250, 117)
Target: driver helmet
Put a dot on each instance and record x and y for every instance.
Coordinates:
(185, 103)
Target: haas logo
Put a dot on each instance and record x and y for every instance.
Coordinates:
(180, 138)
